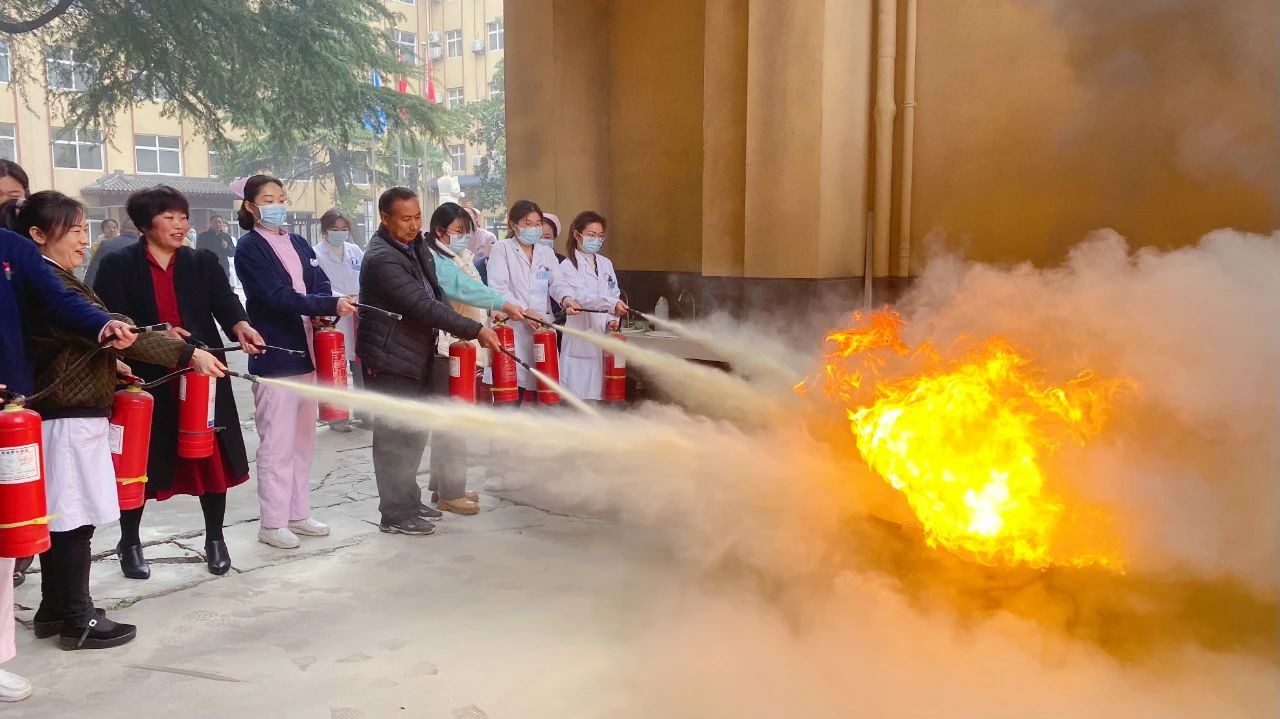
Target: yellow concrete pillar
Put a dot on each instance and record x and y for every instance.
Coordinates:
(806, 144)
(724, 137)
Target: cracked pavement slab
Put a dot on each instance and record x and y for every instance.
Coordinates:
(356, 624)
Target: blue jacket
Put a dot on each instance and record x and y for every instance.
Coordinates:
(30, 292)
(275, 310)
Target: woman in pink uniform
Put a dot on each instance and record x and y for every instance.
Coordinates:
(284, 288)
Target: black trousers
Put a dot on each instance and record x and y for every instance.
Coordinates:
(397, 450)
(64, 578)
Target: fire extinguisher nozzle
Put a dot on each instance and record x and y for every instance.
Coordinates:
(244, 375)
(162, 327)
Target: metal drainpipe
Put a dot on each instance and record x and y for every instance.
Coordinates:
(908, 141)
(885, 111)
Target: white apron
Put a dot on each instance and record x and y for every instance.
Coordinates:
(595, 288)
(344, 279)
(80, 481)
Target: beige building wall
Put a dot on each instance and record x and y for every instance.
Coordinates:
(740, 141)
(1040, 121)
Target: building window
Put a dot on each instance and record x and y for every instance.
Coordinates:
(458, 158)
(406, 45)
(406, 168)
(8, 141)
(495, 34)
(300, 166)
(4, 61)
(358, 168)
(495, 91)
(453, 43)
(455, 97)
(157, 155)
(75, 149)
(215, 168)
(63, 70)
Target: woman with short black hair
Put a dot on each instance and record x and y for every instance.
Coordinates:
(75, 383)
(159, 279)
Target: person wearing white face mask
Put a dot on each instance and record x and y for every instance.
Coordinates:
(595, 286)
(524, 269)
(340, 259)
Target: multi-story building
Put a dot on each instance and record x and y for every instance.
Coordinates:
(454, 44)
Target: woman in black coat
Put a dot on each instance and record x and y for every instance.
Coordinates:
(156, 280)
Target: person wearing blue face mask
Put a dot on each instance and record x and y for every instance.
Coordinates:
(285, 288)
(340, 259)
(595, 285)
(524, 269)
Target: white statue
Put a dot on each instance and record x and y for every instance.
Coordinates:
(450, 190)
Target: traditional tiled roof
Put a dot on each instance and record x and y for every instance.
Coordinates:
(120, 183)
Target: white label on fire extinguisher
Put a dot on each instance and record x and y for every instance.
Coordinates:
(182, 388)
(116, 438)
(539, 354)
(455, 366)
(619, 362)
(213, 396)
(19, 465)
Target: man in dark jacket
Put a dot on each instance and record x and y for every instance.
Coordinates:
(126, 238)
(216, 240)
(398, 274)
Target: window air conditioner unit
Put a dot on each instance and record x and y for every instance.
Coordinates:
(433, 38)
(477, 46)
(437, 53)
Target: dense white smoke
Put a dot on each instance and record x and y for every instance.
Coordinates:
(789, 596)
(1190, 462)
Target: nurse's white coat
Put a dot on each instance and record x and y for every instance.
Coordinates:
(529, 284)
(595, 288)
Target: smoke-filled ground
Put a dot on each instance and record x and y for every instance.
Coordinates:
(739, 559)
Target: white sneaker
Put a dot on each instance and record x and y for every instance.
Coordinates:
(13, 688)
(281, 538)
(309, 528)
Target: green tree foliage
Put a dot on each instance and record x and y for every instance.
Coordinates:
(278, 73)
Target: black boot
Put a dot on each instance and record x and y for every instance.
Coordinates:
(132, 563)
(101, 633)
(52, 627)
(215, 552)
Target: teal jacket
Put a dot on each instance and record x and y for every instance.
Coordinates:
(458, 286)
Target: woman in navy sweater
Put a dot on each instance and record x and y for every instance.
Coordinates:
(284, 287)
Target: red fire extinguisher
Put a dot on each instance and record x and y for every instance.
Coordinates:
(197, 395)
(331, 369)
(547, 361)
(504, 367)
(24, 527)
(462, 372)
(130, 442)
(615, 374)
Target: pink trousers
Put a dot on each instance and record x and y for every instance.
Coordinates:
(6, 611)
(287, 440)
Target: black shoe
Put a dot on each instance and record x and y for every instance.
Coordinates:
(413, 525)
(215, 552)
(20, 567)
(429, 512)
(44, 629)
(102, 633)
(132, 563)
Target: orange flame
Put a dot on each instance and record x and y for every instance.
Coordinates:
(963, 439)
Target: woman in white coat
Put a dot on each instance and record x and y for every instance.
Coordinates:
(527, 275)
(594, 285)
(340, 259)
